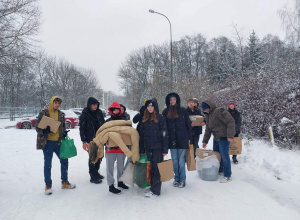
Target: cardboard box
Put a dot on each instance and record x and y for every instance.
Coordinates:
(202, 153)
(235, 147)
(46, 121)
(197, 119)
(125, 137)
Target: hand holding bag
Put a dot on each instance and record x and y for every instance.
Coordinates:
(67, 148)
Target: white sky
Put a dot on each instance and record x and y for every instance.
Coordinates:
(99, 34)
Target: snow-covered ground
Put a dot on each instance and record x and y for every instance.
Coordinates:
(266, 185)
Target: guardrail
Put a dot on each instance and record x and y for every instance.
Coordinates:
(18, 112)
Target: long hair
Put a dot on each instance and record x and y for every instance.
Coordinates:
(150, 116)
(172, 113)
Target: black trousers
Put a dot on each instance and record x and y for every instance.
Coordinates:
(195, 142)
(155, 156)
(94, 168)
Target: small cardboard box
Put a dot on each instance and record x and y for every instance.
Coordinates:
(46, 121)
(235, 147)
(197, 119)
(125, 137)
(202, 153)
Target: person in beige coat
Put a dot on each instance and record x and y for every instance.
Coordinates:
(221, 125)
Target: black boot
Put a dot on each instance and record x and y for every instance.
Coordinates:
(122, 185)
(99, 176)
(95, 179)
(234, 159)
(113, 190)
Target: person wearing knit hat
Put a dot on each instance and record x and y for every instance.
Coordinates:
(231, 104)
(196, 102)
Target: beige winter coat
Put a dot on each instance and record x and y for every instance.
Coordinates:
(113, 130)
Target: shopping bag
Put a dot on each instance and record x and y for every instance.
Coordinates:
(190, 159)
(142, 174)
(127, 176)
(143, 159)
(208, 168)
(166, 170)
(235, 147)
(67, 148)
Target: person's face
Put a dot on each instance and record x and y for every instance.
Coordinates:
(195, 104)
(116, 111)
(93, 107)
(173, 101)
(56, 105)
(231, 106)
(150, 108)
(122, 109)
(191, 104)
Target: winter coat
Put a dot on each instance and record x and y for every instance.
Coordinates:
(219, 122)
(90, 122)
(113, 130)
(238, 120)
(154, 135)
(41, 137)
(125, 114)
(179, 129)
(139, 117)
(196, 130)
(120, 116)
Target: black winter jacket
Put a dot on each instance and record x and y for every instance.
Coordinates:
(154, 135)
(90, 122)
(238, 120)
(139, 117)
(179, 129)
(196, 130)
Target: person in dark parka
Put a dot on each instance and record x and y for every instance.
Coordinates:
(238, 122)
(91, 119)
(179, 132)
(153, 142)
(125, 114)
(139, 116)
(196, 130)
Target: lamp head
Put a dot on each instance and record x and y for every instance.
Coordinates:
(151, 11)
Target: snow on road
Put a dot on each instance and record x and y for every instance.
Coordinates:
(266, 185)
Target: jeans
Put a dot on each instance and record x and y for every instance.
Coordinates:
(178, 159)
(222, 147)
(50, 147)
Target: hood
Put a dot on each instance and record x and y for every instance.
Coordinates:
(169, 96)
(91, 101)
(50, 107)
(123, 107)
(211, 103)
(115, 105)
(154, 101)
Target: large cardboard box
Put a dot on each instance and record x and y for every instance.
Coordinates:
(197, 119)
(235, 147)
(46, 121)
(125, 137)
(202, 153)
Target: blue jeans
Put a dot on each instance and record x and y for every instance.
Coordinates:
(50, 147)
(178, 159)
(222, 147)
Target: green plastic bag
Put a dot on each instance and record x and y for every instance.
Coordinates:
(143, 159)
(67, 148)
(142, 174)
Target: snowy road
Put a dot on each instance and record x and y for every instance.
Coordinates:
(266, 185)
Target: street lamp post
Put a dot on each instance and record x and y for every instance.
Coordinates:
(171, 48)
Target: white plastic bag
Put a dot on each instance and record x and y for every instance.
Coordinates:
(127, 176)
(208, 168)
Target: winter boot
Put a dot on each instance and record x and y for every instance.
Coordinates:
(67, 185)
(95, 179)
(225, 179)
(113, 190)
(122, 185)
(99, 176)
(48, 190)
(175, 183)
(181, 184)
(234, 159)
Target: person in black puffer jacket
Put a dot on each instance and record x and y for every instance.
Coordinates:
(139, 116)
(125, 114)
(238, 122)
(153, 142)
(179, 131)
(91, 119)
(196, 130)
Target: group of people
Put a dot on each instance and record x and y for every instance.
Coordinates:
(171, 130)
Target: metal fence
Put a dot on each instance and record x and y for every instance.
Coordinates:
(18, 112)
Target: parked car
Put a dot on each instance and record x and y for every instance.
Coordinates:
(71, 120)
(77, 111)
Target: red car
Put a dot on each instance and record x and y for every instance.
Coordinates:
(71, 120)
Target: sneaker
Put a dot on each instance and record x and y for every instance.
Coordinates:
(48, 190)
(181, 184)
(235, 160)
(221, 173)
(225, 179)
(175, 183)
(113, 190)
(122, 185)
(67, 185)
(150, 194)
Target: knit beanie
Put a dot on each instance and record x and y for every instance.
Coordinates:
(231, 102)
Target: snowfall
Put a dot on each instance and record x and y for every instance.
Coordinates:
(265, 185)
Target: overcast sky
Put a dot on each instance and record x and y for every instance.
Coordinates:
(99, 34)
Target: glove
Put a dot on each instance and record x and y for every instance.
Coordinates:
(46, 131)
(65, 133)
